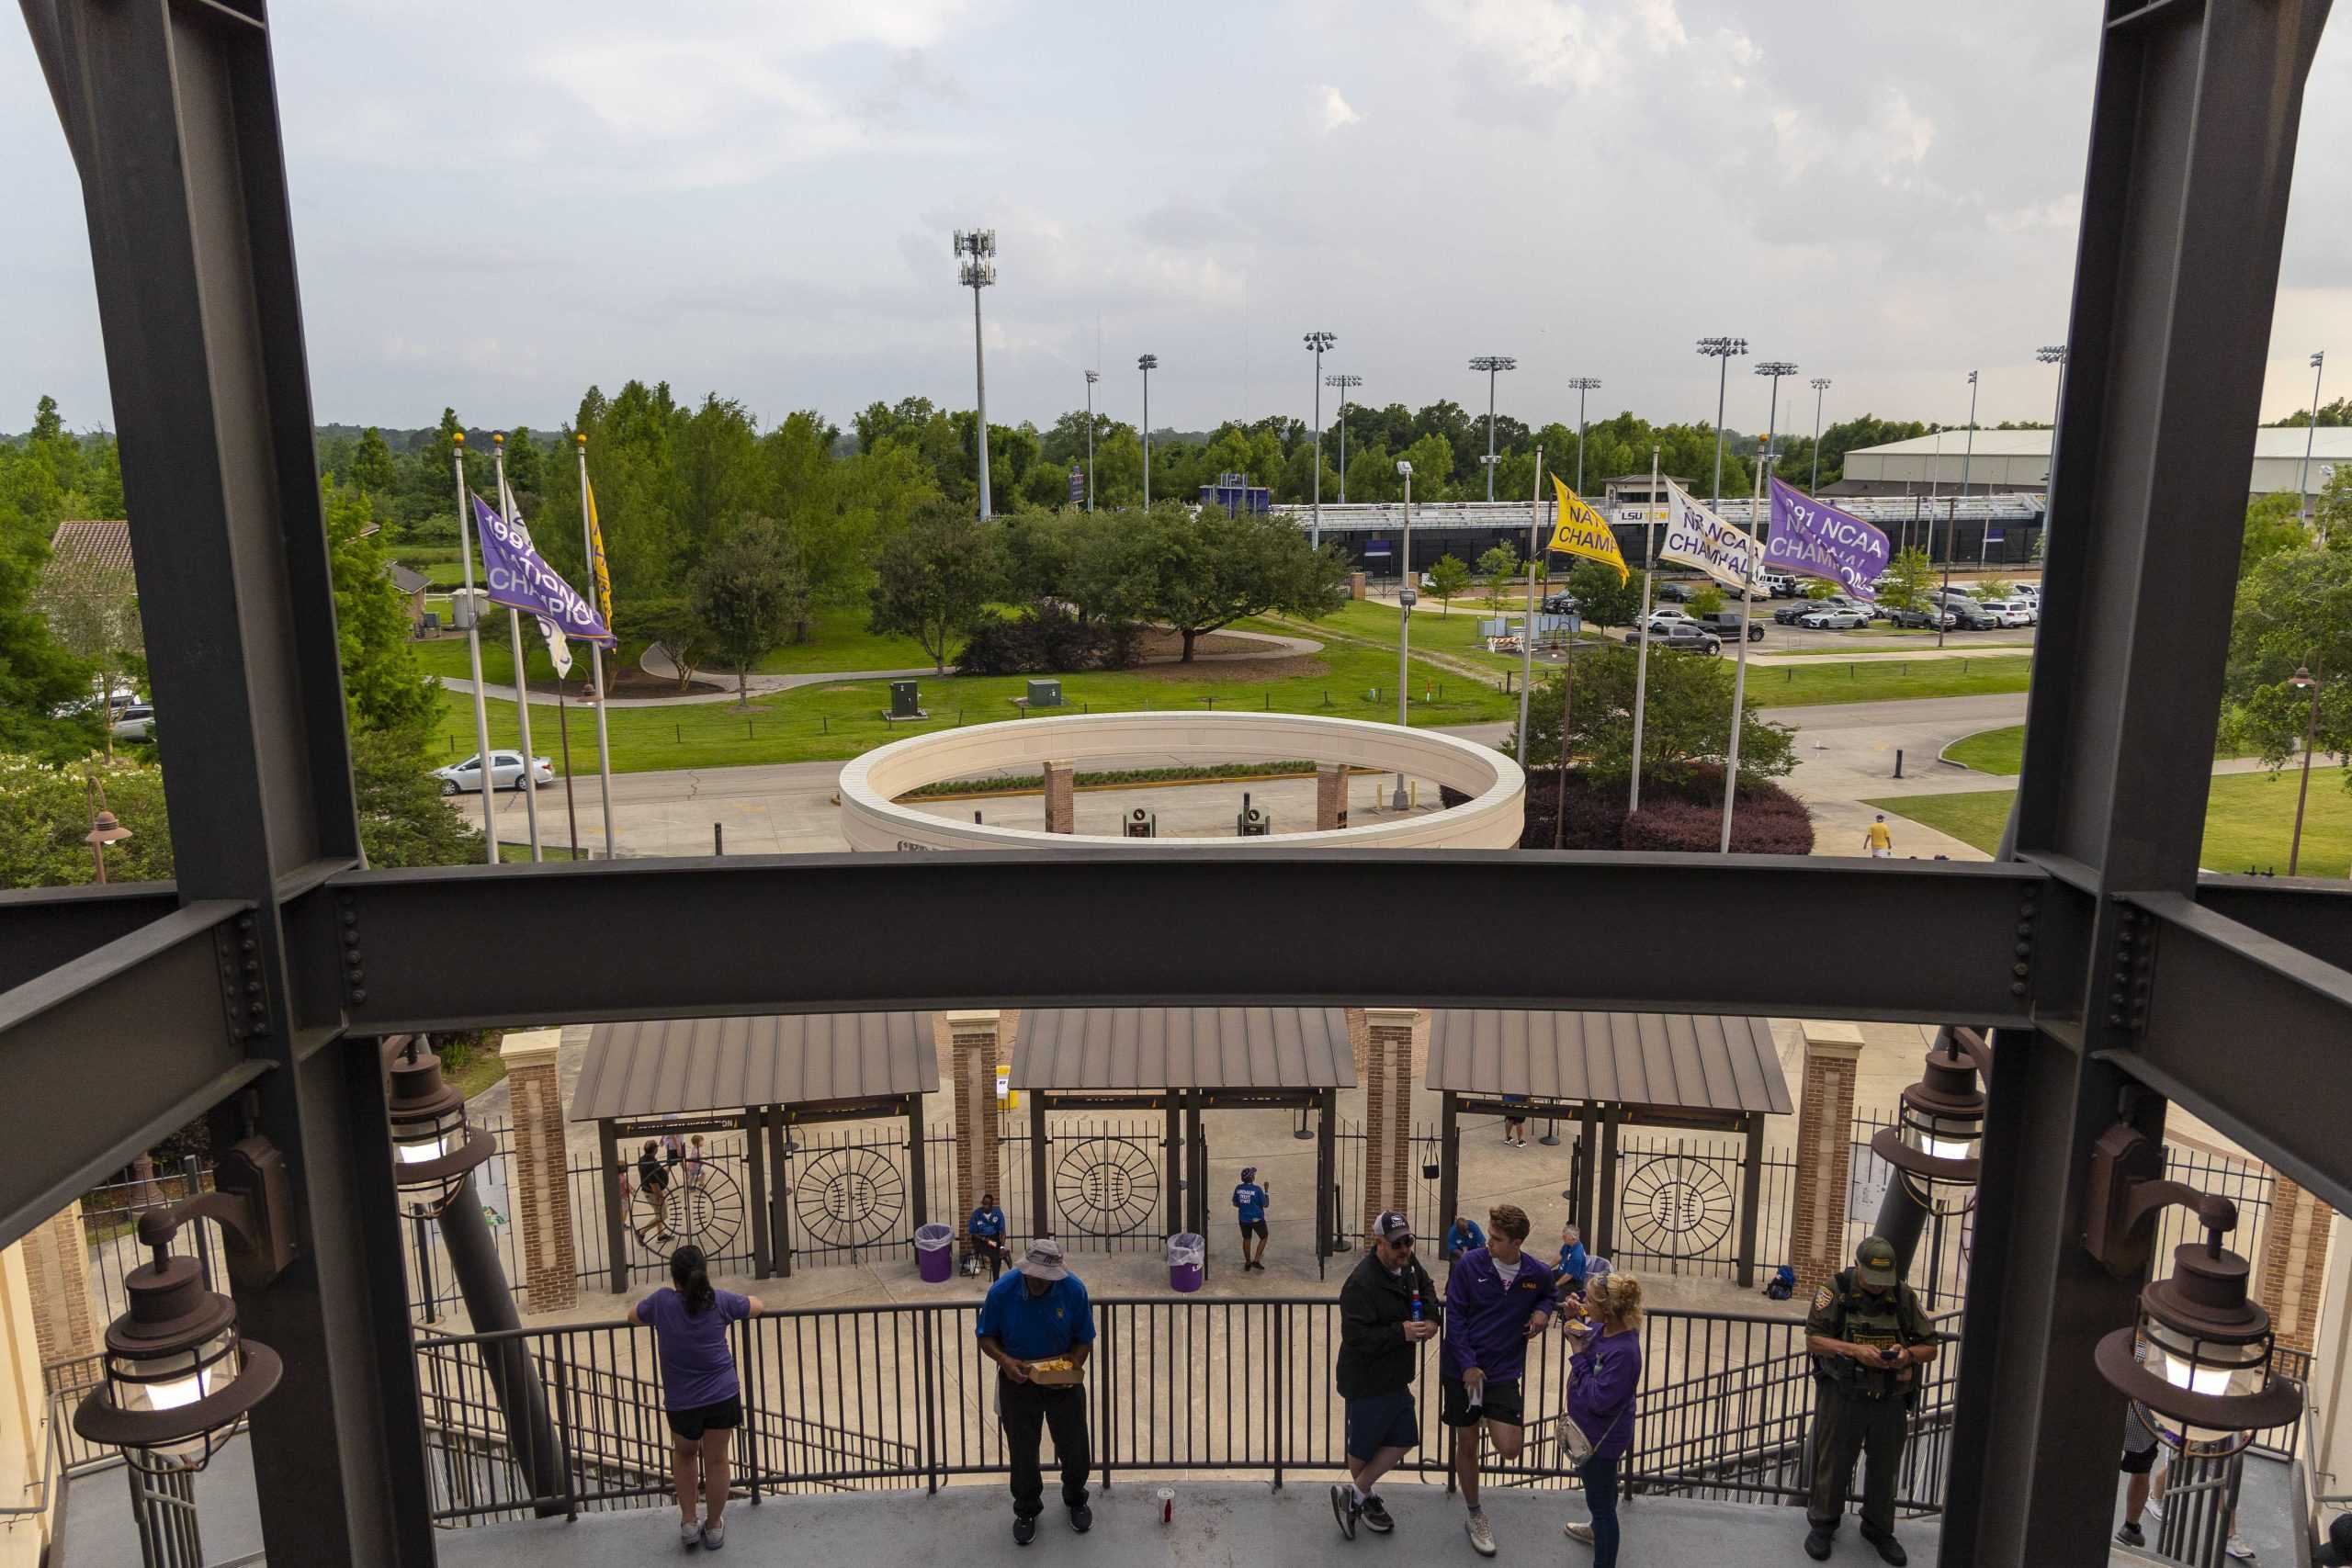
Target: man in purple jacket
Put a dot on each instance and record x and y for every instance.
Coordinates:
(1497, 1298)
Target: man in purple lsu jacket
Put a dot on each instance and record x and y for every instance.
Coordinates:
(1497, 1298)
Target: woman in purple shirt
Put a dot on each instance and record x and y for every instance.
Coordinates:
(1605, 1371)
(699, 1392)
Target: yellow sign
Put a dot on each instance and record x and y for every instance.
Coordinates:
(1581, 531)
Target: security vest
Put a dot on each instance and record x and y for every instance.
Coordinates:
(1866, 1318)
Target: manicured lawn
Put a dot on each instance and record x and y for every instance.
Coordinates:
(447, 657)
(838, 640)
(1991, 751)
(843, 719)
(2249, 821)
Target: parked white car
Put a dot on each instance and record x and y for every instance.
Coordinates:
(1835, 619)
(136, 722)
(1664, 621)
(505, 772)
(2012, 612)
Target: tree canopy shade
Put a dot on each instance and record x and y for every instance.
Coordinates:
(749, 590)
(1686, 728)
(933, 579)
(1209, 570)
(2294, 611)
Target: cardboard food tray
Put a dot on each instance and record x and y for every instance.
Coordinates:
(1056, 1372)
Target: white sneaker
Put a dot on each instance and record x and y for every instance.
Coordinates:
(2238, 1547)
(689, 1535)
(2154, 1511)
(1482, 1534)
(713, 1537)
(1575, 1529)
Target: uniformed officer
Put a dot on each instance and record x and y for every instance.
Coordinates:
(1868, 1338)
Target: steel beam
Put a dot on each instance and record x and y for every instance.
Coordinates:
(44, 928)
(2313, 915)
(469, 947)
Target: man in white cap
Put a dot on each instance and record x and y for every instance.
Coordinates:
(1036, 1313)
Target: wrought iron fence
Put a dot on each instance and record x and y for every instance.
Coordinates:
(1681, 1204)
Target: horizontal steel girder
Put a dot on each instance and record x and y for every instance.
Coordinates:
(41, 927)
(475, 947)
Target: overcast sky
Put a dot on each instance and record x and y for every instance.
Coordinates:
(498, 204)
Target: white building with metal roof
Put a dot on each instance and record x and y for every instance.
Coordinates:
(2020, 459)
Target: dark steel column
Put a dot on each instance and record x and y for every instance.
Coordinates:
(1327, 1165)
(1171, 1166)
(1751, 1200)
(1449, 1166)
(1607, 1195)
(611, 1169)
(2192, 149)
(1041, 1197)
(918, 1178)
(513, 1376)
(755, 1156)
(1588, 1165)
(780, 1188)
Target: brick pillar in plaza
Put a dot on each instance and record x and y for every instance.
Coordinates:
(974, 1039)
(57, 1277)
(2291, 1274)
(1825, 1151)
(1355, 585)
(1330, 797)
(1388, 1111)
(540, 1171)
(1061, 799)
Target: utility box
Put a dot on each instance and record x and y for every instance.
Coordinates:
(1045, 695)
(1140, 824)
(906, 701)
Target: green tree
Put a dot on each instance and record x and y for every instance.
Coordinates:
(2294, 611)
(748, 592)
(672, 626)
(526, 462)
(1501, 561)
(1603, 599)
(1448, 577)
(39, 676)
(1992, 588)
(92, 610)
(1905, 584)
(2273, 523)
(1706, 600)
(1824, 587)
(2332, 510)
(383, 685)
(1686, 721)
(403, 820)
(1211, 569)
(933, 579)
(45, 817)
(372, 470)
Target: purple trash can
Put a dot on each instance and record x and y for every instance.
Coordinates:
(1185, 1251)
(935, 1253)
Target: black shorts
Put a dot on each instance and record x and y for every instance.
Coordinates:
(1383, 1421)
(1254, 1227)
(723, 1416)
(2139, 1461)
(1501, 1402)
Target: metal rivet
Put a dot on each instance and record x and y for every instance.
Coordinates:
(350, 919)
(360, 995)
(2115, 1020)
(351, 939)
(252, 988)
(2017, 987)
(2116, 999)
(2024, 949)
(244, 922)
(256, 1009)
(2020, 970)
(2025, 928)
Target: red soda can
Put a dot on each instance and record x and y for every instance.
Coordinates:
(1166, 1505)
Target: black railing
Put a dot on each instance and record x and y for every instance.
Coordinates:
(898, 1397)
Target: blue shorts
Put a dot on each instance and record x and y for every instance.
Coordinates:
(1383, 1421)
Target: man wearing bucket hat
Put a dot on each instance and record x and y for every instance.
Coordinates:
(1868, 1339)
(1039, 1312)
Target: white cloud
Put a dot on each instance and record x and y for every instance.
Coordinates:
(1337, 111)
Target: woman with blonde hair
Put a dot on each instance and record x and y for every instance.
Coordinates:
(1604, 1374)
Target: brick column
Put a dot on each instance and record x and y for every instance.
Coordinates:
(540, 1171)
(1330, 797)
(1061, 801)
(2291, 1274)
(1824, 1153)
(974, 1041)
(1355, 585)
(57, 1276)
(1388, 1111)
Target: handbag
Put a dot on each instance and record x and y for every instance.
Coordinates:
(1576, 1449)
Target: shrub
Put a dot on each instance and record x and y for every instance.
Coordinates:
(1046, 638)
(1685, 816)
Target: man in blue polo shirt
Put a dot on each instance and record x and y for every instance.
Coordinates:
(986, 1228)
(1251, 1201)
(1039, 1311)
(1497, 1298)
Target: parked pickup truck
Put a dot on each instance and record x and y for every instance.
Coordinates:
(1724, 624)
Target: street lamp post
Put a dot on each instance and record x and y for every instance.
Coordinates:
(1820, 385)
(1723, 349)
(1405, 598)
(1092, 377)
(1952, 529)
(2304, 680)
(976, 273)
(104, 829)
(2319, 360)
(1775, 369)
(1346, 383)
(1582, 384)
(1318, 342)
(1147, 363)
(1493, 365)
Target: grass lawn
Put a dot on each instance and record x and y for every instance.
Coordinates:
(2249, 821)
(843, 719)
(838, 640)
(1991, 751)
(447, 658)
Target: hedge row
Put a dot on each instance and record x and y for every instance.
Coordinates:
(1681, 814)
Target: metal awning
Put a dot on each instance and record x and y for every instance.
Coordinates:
(1669, 1061)
(678, 1065)
(1097, 1050)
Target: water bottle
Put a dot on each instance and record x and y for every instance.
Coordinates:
(1417, 1304)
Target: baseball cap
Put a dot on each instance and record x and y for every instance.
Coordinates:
(1874, 1262)
(1249, 1173)
(2337, 1551)
(1392, 1228)
(1043, 1261)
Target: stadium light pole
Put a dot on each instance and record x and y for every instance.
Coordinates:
(1345, 382)
(1951, 530)
(2053, 353)
(1775, 369)
(1092, 377)
(1820, 385)
(1725, 349)
(1147, 363)
(1582, 384)
(1317, 342)
(976, 273)
(1493, 365)
(2318, 359)
(1404, 597)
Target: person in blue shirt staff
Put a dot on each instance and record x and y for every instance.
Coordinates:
(1569, 1272)
(1039, 1311)
(1462, 1238)
(986, 1227)
(1250, 1200)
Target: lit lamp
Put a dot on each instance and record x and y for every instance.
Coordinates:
(434, 1148)
(2208, 1377)
(178, 1375)
(1933, 1143)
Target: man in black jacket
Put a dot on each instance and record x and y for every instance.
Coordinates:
(1388, 1309)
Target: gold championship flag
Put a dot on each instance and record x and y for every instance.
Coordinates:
(1580, 531)
(596, 543)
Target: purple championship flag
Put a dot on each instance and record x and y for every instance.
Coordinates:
(1810, 538)
(518, 578)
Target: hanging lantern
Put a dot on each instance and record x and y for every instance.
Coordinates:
(434, 1148)
(1934, 1143)
(2208, 1379)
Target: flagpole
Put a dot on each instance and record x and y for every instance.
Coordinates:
(1568, 709)
(1527, 642)
(473, 648)
(596, 578)
(1746, 608)
(522, 674)
(1642, 662)
(563, 738)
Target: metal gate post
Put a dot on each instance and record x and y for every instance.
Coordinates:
(610, 1174)
(1751, 1190)
(918, 1178)
(1327, 1156)
(756, 1165)
(1607, 1229)
(1172, 1164)
(1449, 1166)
